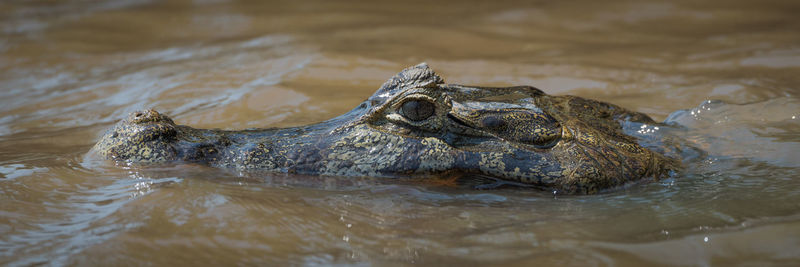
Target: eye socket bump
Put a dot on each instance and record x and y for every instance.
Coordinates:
(417, 110)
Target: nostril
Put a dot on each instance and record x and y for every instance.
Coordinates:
(114, 135)
(146, 117)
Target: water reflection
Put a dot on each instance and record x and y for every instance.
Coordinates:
(13, 171)
(85, 218)
(69, 70)
(775, 59)
(745, 131)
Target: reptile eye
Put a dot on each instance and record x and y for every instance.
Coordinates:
(417, 110)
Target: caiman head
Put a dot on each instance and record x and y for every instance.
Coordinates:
(416, 125)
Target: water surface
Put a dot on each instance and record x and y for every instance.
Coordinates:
(69, 70)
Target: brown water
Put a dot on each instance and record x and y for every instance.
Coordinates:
(68, 71)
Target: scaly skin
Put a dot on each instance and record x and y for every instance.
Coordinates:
(415, 125)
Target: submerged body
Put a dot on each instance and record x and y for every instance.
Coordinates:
(416, 125)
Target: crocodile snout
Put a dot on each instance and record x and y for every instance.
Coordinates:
(145, 135)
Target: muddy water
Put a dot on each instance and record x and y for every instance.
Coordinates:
(68, 71)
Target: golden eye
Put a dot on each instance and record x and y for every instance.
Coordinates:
(417, 110)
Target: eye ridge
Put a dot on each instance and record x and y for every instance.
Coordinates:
(418, 110)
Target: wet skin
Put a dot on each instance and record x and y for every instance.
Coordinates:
(415, 125)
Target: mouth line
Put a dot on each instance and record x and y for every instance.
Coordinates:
(458, 121)
(461, 127)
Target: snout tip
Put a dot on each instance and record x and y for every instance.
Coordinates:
(147, 116)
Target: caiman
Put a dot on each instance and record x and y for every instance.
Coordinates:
(416, 125)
